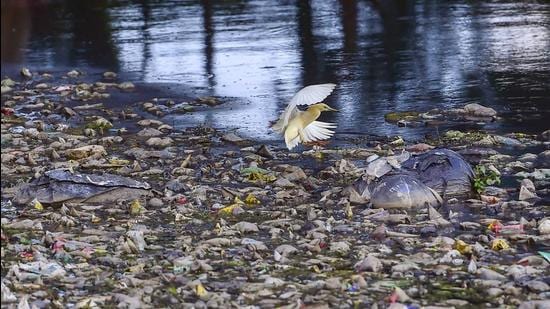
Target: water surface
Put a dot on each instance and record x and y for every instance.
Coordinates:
(384, 55)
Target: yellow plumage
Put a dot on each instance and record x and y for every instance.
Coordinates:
(302, 126)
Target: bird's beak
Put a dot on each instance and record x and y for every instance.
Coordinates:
(332, 109)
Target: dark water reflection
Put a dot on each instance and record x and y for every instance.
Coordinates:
(385, 55)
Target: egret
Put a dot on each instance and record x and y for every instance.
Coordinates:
(302, 126)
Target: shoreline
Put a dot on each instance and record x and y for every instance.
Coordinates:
(222, 221)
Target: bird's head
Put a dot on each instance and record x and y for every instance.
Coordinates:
(322, 107)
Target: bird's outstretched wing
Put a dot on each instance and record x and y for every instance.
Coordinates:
(307, 96)
(317, 130)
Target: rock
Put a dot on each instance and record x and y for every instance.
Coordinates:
(246, 227)
(370, 263)
(232, 138)
(149, 122)
(142, 154)
(137, 238)
(264, 152)
(284, 183)
(100, 124)
(535, 304)
(472, 267)
(537, 174)
(210, 101)
(26, 73)
(475, 109)
(8, 82)
(527, 190)
(40, 268)
(544, 226)
(7, 295)
(5, 89)
(25, 224)
(57, 186)
(487, 274)
(126, 86)
(401, 295)
(333, 283)
(537, 286)
(296, 175)
(127, 301)
(73, 73)
(494, 292)
(254, 244)
(159, 142)
(155, 202)
(402, 191)
(341, 247)
(404, 267)
(543, 159)
(528, 157)
(506, 141)
(421, 147)
(274, 282)
(109, 75)
(85, 152)
(149, 132)
(286, 250)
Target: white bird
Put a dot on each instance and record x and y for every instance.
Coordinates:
(302, 126)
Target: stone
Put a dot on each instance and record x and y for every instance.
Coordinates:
(488, 274)
(110, 75)
(149, 132)
(479, 110)
(159, 142)
(126, 86)
(85, 152)
(370, 263)
(232, 138)
(155, 202)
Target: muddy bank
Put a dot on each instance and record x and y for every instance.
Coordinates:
(218, 220)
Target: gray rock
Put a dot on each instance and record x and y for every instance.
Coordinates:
(149, 132)
(475, 109)
(488, 274)
(370, 263)
(155, 202)
(537, 286)
(26, 73)
(342, 247)
(246, 227)
(254, 244)
(286, 250)
(506, 141)
(543, 159)
(159, 142)
(545, 135)
(126, 86)
(232, 138)
(109, 75)
(494, 292)
(140, 154)
(535, 304)
(7, 295)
